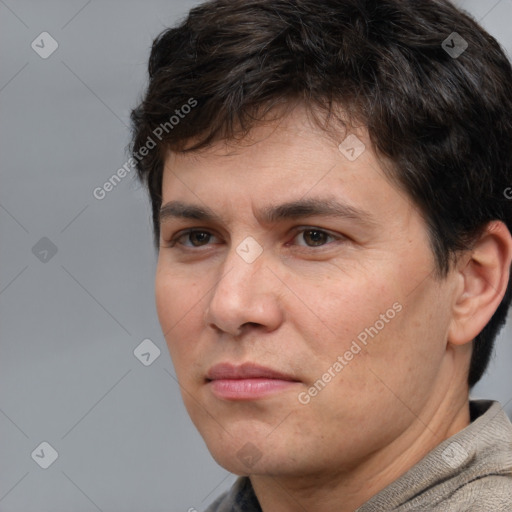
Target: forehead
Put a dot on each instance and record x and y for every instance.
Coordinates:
(289, 135)
(283, 168)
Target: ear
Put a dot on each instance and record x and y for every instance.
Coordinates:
(483, 278)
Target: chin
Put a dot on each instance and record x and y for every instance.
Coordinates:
(247, 462)
(247, 455)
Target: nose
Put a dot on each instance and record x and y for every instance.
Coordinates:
(246, 296)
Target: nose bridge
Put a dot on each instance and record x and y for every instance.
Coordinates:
(243, 293)
(242, 269)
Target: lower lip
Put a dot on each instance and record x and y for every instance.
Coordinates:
(248, 389)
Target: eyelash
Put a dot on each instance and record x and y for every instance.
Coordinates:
(175, 240)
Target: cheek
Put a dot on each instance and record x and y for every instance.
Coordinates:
(177, 307)
(165, 299)
(352, 309)
(412, 341)
(375, 318)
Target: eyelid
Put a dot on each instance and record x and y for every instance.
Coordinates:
(301, 229)
(296, 231)
(180, 234)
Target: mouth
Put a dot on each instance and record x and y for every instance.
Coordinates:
(248, 381)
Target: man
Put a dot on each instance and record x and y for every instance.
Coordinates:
(329, 191)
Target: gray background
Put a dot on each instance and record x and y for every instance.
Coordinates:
(71, 321)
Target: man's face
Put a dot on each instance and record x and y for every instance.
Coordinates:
(345, 306)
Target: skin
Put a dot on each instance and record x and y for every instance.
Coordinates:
(303, 301)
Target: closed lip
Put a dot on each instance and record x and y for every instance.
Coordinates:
(223, 371)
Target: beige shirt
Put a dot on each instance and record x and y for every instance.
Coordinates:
(469, 472)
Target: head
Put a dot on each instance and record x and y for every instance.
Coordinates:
(295, 105)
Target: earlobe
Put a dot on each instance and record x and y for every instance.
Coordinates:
(484, 277)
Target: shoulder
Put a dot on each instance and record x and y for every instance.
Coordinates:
(491, 492)
(485, 494)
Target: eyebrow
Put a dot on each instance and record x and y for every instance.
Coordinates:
(323, 207)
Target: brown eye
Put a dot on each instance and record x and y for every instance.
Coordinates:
(200, 237)
(192, 238)
(315, 236)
